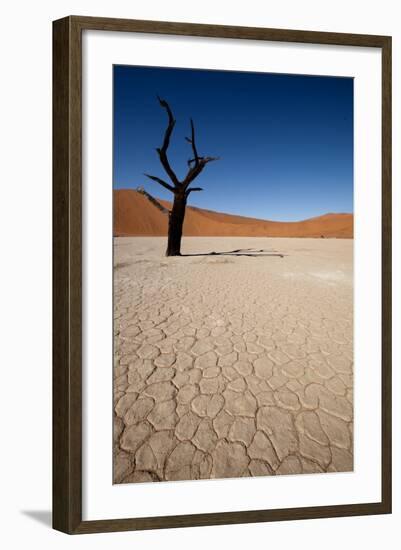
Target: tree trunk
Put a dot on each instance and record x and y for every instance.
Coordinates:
(175, 224)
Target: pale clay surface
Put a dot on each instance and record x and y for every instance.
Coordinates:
(231, 366)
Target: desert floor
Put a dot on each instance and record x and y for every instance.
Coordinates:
(234, 364)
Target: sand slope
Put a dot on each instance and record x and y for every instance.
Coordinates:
(134, 215)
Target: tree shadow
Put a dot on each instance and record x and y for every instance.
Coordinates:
(250, 252)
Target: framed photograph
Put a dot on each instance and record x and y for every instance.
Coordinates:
(222, 275)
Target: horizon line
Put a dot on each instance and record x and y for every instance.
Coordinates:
(244, 215)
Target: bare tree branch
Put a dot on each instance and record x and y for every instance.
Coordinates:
(198, 162)
(162, 182)
(162, 151)
(197, 169)
(188, 191)
(191, 140)
(204, 159)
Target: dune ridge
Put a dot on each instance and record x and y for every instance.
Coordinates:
(134, 215)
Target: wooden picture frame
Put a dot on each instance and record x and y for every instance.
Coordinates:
(67, 274)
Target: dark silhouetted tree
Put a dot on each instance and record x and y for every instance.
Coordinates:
(180, 188)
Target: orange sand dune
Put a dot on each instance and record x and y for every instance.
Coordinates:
(134, 215)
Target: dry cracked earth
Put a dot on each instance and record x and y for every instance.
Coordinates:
(232, 365)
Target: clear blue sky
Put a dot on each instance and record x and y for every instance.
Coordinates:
(285, 141)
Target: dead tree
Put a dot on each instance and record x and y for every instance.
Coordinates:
(180, 188)
(154, 201)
